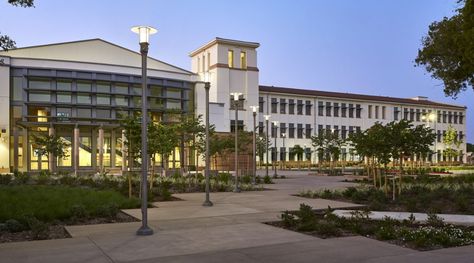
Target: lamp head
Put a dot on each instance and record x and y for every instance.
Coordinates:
(432, 116)
(236, 95)
(267, 117)
(254, 108)
(275, 123)
(144, 32)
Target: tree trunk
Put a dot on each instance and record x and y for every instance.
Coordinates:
(401, 175)
(153, 164)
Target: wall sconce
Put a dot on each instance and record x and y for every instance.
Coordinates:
(3, 135)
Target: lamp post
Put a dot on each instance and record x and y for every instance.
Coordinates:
(431, 117)
(254, 146)
(267, 117)
(275, 124)
(236, 107)
(283, 136)
(207, 86)
(144, 33)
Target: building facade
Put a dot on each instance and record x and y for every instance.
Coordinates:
(80, 90)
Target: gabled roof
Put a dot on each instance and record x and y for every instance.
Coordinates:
(341, 95)
(90, 51)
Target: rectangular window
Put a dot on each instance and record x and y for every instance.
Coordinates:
(320, 129)
(137, 101)
(136, 90)
(17, 88)
(103, 87)
(282, 106)
(299, 107)
(300, 131)
(85, 153)
(208, 60)
(63, 114)
(308, 131)
(261, 104)
(343, 132)
(282, 130)
(455, 120)
(336, 109)
(328, 109)
(62, 97)
(103, 100)
(173, 104)
(418, 115)
(240, 125)
(450, 117)
(84, 86)
(274, 105)
(336, 131)
(243, 60)
(121, 88)
(64, 85)
(308, 107)
(83, 98)
(351, 110)
(230, 58)
(358, 110)
(383, 112)
(121, 101)
(405, 114)
(291, 130)
(173, 93)
(376, 112)
(412, 114)
(39, 96)
(343, 110)
(395, 113)
(156, 91)
(102, 114)
(369, 112)
(39, 84)
(203, 62)
(273, 130)
(260, 128)
(320, 108)
(461, 118)
(444, 116)
(291, 106)
(84, 113)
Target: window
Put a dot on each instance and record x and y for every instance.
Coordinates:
(328, 108)
(351, 130)
(274, 129)
(63, 85)
(383, 112)
(85, 154)
(336, 131)
(39, 84)
(274, 105)
(308, 107)
(137, 101)
(203, 62)
(369, 112)
(121, 101)
(173, 104)
(173, 93)
(282, 106)
(376, 112)
(450, 117)
(121, 88)
(343, 132)
(261, 103)
(282, 130)
(351, 110)
(299, 107)
(63, 114)
(102, 114)
(438, 136)
(308, 131)
(320, 108)
(260, 128)
(418, 115)
(84, 113)
(343, 110)
(103, 87)
(103, 99)
(155, 103)
(83, 98)
(40, 96)
(320, 129)
(283, 153)
(336, 109)
(136, 90)
(41, 112)
(17, 88)
(84, 86)
(300, 131)
(439, 117)
(230, 58)
(405, 114)
(291, 130)
(63, 97)
(455, 119)
(412, 114)
(358, 110)
(243, 60)
(156, 91)
(461, 118)
(444, 116)
(291, 106)
(461, 136)
(208, 60)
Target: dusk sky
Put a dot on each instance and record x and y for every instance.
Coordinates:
(363, 46)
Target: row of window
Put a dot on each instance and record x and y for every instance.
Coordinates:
(440, 135)
(423, 115)
(378, 112)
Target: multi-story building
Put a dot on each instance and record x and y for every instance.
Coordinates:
(78, 90)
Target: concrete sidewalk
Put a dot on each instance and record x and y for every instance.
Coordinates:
(230, 231)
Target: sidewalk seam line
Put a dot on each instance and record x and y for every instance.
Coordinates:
(101, 250)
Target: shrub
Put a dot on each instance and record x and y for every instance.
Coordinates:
(5, 179)
(246, 179)
(13, 226)
(39, 229)
(108, 210)
(20, 177)
(223, 177)
(306, 218)
(349, 192)
(434, 220)
(78, 212)
(288, 219)
(267, 179)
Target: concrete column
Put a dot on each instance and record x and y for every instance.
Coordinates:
(124, 153)
(51, 157)
(75, 149)
(100, 146)
(15, 148)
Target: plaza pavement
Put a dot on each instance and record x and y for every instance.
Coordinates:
(230, 231)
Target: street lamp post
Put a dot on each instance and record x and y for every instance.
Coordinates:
(207, 86)
(144, 33)
(431, 117)
(275, 124)
(254, 146)
(283, 136)
(236, 107)
(267, 117)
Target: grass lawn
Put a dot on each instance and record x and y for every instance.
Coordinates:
(53, 202)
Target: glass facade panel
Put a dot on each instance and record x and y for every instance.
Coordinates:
(63, 85)
(84, 113)
(173, 104)
(156, 91)
(85, 151)
(103, 99)
(63, 114)
(121, 88)
(121, 101)
(102, 114)
(118, 150)
(155, 103)
(63, 97)
(103, 87)
(39, 84)
(84, 86)
(66, 160)
(173, 93)
(40, 96)
(137, 101)
(137, 91)
(83, 98)
(17, 88)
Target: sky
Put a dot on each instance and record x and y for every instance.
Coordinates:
(356, 46)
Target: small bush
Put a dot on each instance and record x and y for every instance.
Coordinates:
(267, 179)
(246, 179)
(5, 179)
(434, 220)
(39, 229)
(13, 226)
(288, 219)
(78, 212)
(108, 210)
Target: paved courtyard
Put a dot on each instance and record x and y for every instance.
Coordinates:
(230, 231)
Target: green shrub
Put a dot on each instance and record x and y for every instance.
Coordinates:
(434, 220)
(13, 226)
(21, 177)
(108, 210)
(78, 212)
(224, 177)
(39, 229)
(349, 192)
(288, 219)
(5, 179)
(267, 179)
(246, 179)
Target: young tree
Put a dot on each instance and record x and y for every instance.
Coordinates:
(452, 144)
(261, 145)
(190, 128)
(319, 142)
(162, 140)
(51, 146)
(132, 128)
(447, 51)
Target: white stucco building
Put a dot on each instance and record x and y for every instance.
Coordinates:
(79, 89)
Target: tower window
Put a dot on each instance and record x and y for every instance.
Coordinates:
(243, 60)
(230, 58)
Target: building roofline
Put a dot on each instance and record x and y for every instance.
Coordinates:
(96, 39)
(354, 96)
(219, 40)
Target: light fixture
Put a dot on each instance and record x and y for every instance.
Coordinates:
(236, 95)
(254, 108)
(144, 32)
(267, 117)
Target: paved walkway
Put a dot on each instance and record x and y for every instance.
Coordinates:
(229, 231)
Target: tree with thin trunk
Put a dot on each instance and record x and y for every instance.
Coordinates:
(51, 146)
(452, 144)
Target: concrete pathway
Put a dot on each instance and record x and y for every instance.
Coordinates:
(230, 231)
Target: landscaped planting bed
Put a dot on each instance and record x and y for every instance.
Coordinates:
(450, 195)
(434, 234)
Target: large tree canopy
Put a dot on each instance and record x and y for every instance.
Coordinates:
(448, 50)
(6, 42)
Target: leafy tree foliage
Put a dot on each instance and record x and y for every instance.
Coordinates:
(452, 143)
(52, 146)
(447, 51)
